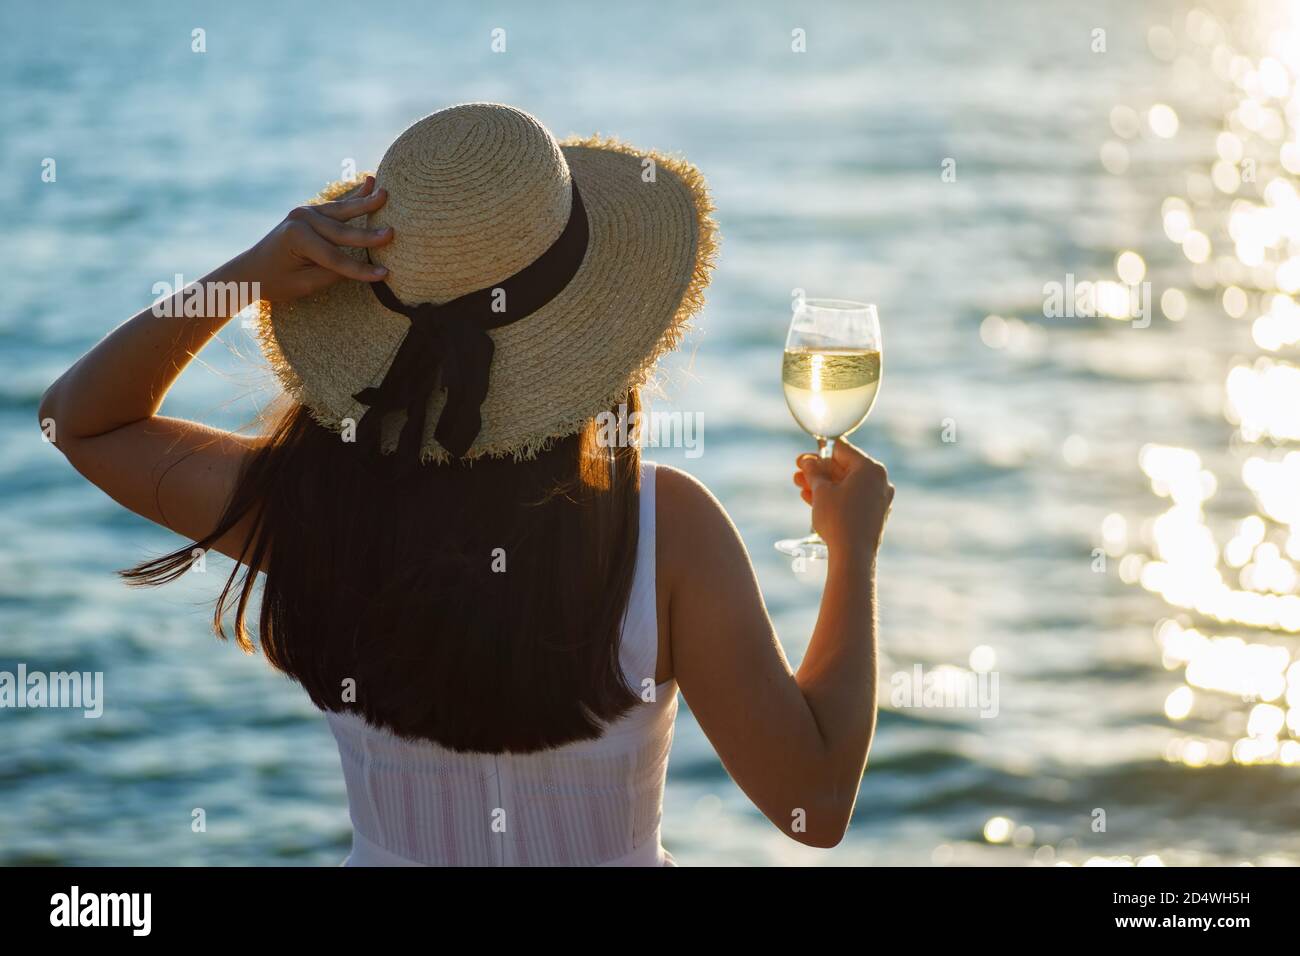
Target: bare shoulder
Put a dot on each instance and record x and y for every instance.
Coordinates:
(677, 491)
(691, 524)
(685, 509)
(701, 567)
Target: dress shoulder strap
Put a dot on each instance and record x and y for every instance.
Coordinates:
(639, 646)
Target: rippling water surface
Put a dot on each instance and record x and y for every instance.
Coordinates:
(1102, 512)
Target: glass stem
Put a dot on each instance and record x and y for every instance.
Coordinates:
(825, 449)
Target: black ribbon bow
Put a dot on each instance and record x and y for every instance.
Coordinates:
(448, 346)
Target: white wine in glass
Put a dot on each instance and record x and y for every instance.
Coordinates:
(831, 374)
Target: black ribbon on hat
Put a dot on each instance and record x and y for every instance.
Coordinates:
(448, 346)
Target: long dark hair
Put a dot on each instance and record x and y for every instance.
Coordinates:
(474, 604)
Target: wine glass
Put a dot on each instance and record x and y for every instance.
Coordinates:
(831, 374)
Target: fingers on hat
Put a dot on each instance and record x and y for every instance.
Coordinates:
(352, 206)
(344, 235)
(313, 246)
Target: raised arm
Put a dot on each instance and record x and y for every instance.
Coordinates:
(102, 413)
(795, 742)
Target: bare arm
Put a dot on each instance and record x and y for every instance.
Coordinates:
(102, 413)
(795, 742)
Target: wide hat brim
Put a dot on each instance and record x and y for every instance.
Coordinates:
(649, 257)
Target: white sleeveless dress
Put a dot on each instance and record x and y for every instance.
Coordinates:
(590, 803)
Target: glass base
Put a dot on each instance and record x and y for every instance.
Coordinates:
(809, 548)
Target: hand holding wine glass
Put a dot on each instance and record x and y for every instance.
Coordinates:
(850, 495)
(831, 375)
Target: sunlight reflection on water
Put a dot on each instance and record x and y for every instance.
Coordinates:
(1239, 230)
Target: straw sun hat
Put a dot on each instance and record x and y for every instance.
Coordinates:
(582, 289)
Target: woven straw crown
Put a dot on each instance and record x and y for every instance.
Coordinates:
(492, 184)
(475, 194)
